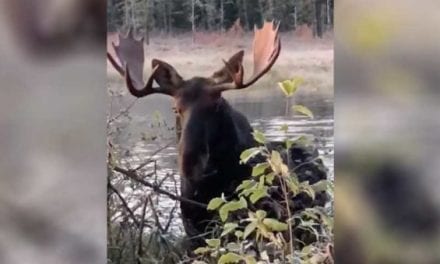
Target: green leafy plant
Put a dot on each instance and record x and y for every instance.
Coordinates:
(250, 233)
(261, 223)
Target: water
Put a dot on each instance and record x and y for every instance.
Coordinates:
(266, 114)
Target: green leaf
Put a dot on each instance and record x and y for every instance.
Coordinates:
(302, 110)
(277, 164)
(248, 154)
(260, 214)
(230, 207)
(238, 234)
(250, 260)
(269, 178)
(229, 258)
(275, 225)
(215, 203)
(276, 158)
(223, 212)
(259, 169)
(307, 249)
(289, 87)
(258, 194)
(293, 184)
(249, 229)
(321, 186)
(228, 228)
(201, 250)
(259, 137)
(305, 187)
(246, 184)
(234, 247)
(214, 243)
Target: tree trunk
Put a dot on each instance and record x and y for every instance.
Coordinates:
(318, 18)
(193, 22)
(132, 16)
(245, 13)
(271, 9)
(164, 14)
(328, 12)
(147, 20)
(126, 13)
(260, 9)
(295, 17)
(222, 16)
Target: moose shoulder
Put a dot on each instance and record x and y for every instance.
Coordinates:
(213, 134)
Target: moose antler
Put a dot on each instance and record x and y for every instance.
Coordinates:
(266, 48)
(130, 64)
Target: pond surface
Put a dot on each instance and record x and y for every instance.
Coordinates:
(146, 131)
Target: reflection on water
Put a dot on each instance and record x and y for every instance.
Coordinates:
(267, 114)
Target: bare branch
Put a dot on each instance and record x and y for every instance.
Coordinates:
(141, 228)
(156, 216)
(124, 203)
(151, 156)
(123, 111)
(133, 175)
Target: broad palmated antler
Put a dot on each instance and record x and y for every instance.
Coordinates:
(129, 62)
(266, 48)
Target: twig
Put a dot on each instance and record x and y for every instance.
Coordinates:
(171, 218)
(289, 213)
(156, 217)
(133, 175)
(123, 111)
(151, 158)
(141, 229)
(124, 203)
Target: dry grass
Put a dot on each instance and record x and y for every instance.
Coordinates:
(310, 59)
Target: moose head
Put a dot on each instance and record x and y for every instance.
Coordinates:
(213, 133)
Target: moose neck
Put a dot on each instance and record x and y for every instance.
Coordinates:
(212, 140)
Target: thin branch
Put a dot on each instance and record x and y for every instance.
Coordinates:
(152, 155)
(141, 228)
(124, 203)
(123, 111)
(156, 216)
(171, 218)
(133, 175)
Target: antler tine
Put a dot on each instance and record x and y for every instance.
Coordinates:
(130, 64)
(266, 49)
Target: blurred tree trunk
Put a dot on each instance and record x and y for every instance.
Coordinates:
(222, 16)
(295, 16)
(260, 9)
(126, 13)
(271, 9)
(164, 16)
(169, 18)
(245, 13)
(147, 22)
(193, 20)
(327, 8)
(318, 18)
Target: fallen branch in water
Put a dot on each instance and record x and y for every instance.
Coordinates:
(133, 175)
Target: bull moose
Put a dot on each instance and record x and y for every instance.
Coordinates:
(213, 134)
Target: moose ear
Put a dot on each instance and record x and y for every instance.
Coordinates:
(224, 74)
(166, 76)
